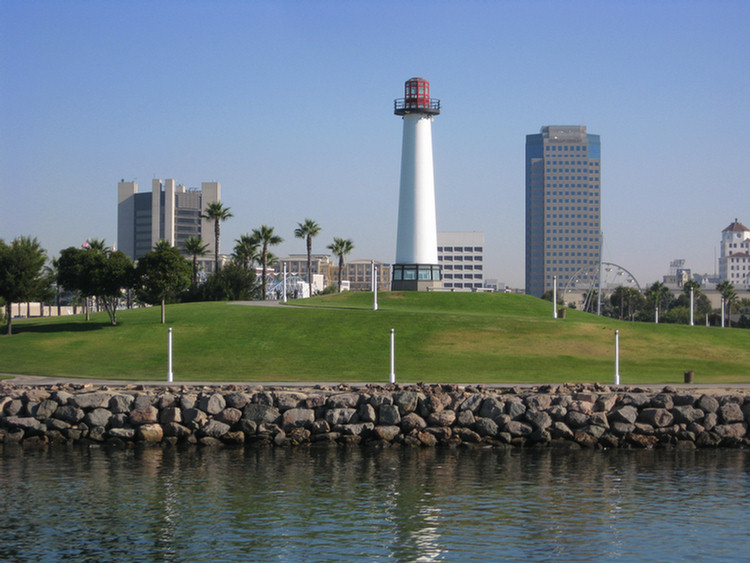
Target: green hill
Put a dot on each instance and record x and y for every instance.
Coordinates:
(440, 337)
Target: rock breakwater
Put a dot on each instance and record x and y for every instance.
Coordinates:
(571, 416)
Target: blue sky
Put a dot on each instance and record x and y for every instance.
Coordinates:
(289, 106)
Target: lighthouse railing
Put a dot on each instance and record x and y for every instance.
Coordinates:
(413, 104)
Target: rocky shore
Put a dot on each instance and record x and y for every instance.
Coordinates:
(569, 416)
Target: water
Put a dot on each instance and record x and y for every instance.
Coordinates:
(349, 504)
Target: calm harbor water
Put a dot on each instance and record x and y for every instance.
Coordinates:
(350, 504)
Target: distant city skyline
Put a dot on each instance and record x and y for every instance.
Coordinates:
(290, 106)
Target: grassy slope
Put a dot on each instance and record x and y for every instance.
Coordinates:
(449, 337)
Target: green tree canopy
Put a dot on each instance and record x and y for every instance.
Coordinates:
(21, 273)
(96, 272)
(161, 275)
(232, 283)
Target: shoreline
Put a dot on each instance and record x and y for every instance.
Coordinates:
(419, 415)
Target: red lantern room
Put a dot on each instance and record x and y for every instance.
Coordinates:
(416, 99)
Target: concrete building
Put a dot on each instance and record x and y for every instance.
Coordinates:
(320, 264)
(359, 274)
(170, 212)
(734, 257)
(416, 267)
(356, 275)
(563, 210)
(461, 258)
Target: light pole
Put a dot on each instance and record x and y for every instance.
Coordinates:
(692, 306)
(554, 297)
(617, 357)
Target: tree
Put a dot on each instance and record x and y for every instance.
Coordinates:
(307, 230)
(216, 212)
(21, 264)
(194, 246)
(730, 297)
(161, 275)
(659, 297)
(231, 283)
(691, 284)
(265, 237)
(246, 250)
(629, 300)
(340, 247)
(97, 272)
(113, 272)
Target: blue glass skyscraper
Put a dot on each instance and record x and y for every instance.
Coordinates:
(563, 206)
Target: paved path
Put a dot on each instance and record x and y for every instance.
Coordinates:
(710, 388)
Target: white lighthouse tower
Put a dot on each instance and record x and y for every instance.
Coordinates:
(416, 266)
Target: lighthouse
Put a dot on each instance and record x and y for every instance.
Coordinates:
(416, 267)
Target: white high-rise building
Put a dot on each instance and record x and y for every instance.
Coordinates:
(170, 212)
(734, 260)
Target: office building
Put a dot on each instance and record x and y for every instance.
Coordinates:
(461, 258)
(170, 212)
(734, 257)
(563, 209)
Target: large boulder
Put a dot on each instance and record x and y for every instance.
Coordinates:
(212, 404)
(657, 417)
(150, 432)
(261, 413)
(388, 415)
(97, 399)
(338, 416)
(144, 415)
(298, 417)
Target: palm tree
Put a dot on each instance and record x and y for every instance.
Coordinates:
(307, 231)
(730, 296)
(246, 250)
(341, 247)
(162, 245)
(265, 237)
(96, 245)
(216, 212)
(659, 296)
(195, 247)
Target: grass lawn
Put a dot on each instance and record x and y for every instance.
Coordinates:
(440, 337)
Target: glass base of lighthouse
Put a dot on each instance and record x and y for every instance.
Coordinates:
(416, 277)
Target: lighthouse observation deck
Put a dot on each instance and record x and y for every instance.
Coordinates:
(416, 99)
(402, 106)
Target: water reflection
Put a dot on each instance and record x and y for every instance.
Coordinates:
(340, 504)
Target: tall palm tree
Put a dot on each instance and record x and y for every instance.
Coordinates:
(730, 296)
(341, 247)
(216, 212)
(265, 237)
(307, 231)
(246, 250)
(194, 246)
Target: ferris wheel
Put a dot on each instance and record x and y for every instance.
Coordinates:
(601, 279)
